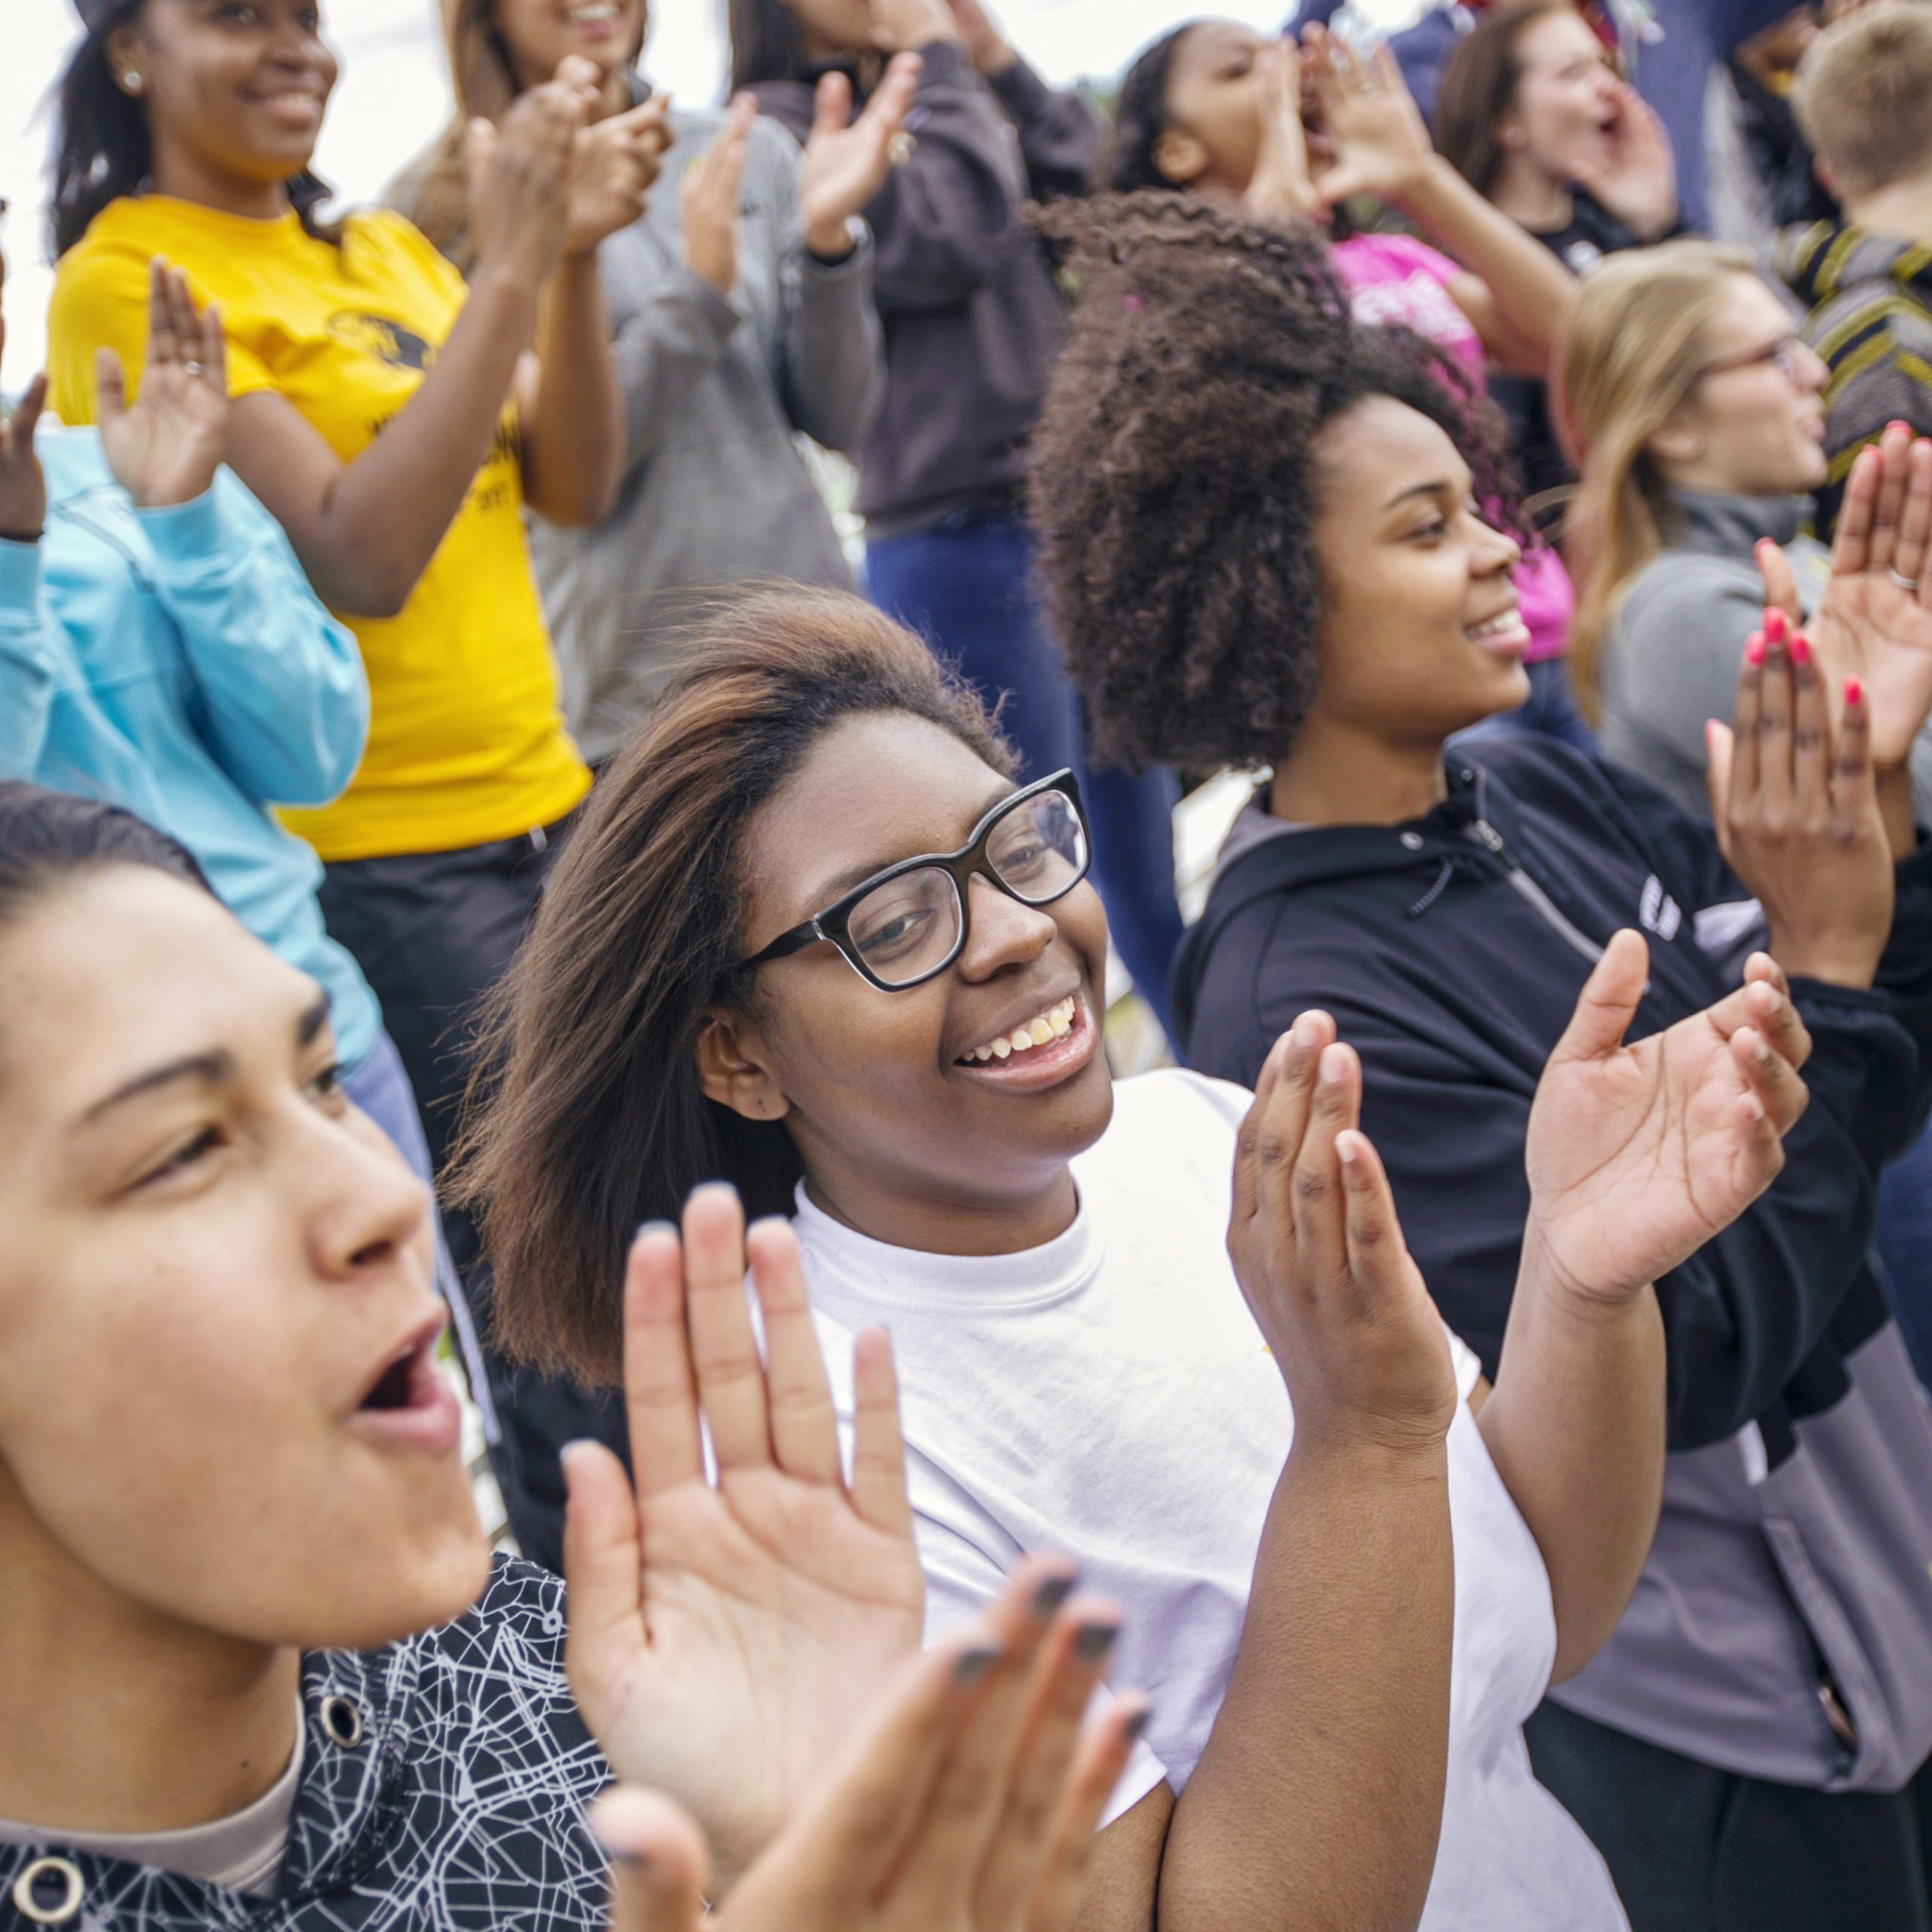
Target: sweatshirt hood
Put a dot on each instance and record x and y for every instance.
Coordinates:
(1821, 260)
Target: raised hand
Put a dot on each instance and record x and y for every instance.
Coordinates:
(1875, 621)
(1796, 806)
(990, 51)
(166, 447)
(965, 1801)
(709, 195)
(1638, 1155)
(846, 162)
(616, 159)
(1321, 1258)
(1382, 144)
(1638, 182)
(1280, 189)
(521, 174)
(722, 1634)
(22, 481)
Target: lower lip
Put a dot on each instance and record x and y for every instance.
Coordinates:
(302, 114)
(1511, 644)
(432, 1424)
(593, 29)
(1042, 1066)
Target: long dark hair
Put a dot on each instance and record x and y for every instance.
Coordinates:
(1141, 117)
(102, 149)
(46, 838)
(1479, 84)
(586, 1115)
(765, 43)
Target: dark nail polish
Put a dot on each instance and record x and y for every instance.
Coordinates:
(974, 1664)
(1051, 1594)
(631, 1861)
(1094, 1641)
(1136, 1726)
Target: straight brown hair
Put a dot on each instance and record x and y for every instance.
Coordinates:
(1479, 84)
(586, 1115)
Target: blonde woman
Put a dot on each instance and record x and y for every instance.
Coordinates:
(741, 306)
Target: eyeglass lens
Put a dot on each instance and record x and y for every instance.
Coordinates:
(909, 926)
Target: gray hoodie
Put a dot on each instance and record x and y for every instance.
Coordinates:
(715, 490)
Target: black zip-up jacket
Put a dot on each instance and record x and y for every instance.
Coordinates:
(972, 319)
(1451, 951)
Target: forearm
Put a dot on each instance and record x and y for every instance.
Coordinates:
(834, 356)
(370, 530)
(1895, 803)
(1337, 1711)
(1531, 287)
(1575, 1426)
(572, 438)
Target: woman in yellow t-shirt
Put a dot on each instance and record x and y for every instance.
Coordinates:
(396, 421)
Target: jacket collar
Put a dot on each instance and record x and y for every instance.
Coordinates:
(1719, 525)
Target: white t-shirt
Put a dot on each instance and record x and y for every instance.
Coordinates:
(1109, 1395)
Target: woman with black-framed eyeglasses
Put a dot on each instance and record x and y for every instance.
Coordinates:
(811, 938)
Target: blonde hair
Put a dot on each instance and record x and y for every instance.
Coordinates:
(1864, 97)
(1633, 350)
(433, 190)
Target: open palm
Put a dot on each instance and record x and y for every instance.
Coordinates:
(1638, 1155)
(846, 162)
(724, 1633)
(166, 448)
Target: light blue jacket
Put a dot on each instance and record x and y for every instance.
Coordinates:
(175, 662)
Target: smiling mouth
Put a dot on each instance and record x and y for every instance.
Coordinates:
(1071, 1043)
(1050, 1023)
(600, 15)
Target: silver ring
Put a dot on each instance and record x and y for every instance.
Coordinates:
(1909, 585)
(193, 368)
(899, 149)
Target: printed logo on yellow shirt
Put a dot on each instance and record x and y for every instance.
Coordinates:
(376, 335)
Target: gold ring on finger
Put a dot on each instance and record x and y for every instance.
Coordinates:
(899, 149)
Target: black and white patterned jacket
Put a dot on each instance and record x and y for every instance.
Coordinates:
(444, 1786)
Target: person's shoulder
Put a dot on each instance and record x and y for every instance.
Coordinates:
(385, 233)
(520, 1614)
(108, 262)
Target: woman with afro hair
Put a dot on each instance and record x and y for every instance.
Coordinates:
(1267, 544)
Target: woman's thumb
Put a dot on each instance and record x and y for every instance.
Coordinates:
(1608, 1002)
(660, 1869)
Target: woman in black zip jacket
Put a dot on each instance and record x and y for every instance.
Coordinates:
(1262, 542)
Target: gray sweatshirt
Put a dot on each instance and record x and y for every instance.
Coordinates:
(715, 490)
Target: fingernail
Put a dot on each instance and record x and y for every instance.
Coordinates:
(1774, 625)
(973, 1665)
(1801, 648)
(1754, 648)
(1854, 692)
(1051, 1594)
(1898, 423)
(1094, 1641)
(715, 1187)
(1331, 1070)
(631, 1861)
(1135, 1727)
(654, 1228)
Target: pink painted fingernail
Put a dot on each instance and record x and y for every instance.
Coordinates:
(1854, 693)
(1801, 648)
(1754, 649)
(1774, 625)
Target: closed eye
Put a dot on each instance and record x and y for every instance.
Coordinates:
(183, 1157)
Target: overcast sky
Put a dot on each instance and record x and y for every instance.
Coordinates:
(392, 96)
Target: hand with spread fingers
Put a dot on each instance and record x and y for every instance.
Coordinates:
(22, 481)
(966, 1800)
(1874, 623)
(1637, 181)
(615, 161)
(520, 175)
(709, 195)
(1320, 1256)
(724, 1633)
(1282, 188)
(846, 162)
(1638, 1154)
(166, 448)
(1382, 144)
(1795, 800)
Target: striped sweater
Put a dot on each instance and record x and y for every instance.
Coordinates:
(1870, 298)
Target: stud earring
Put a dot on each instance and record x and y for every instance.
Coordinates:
(131, 81)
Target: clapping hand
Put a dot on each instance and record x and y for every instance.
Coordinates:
(1638, 182)
(965, 1801)
(722, 1634)
(1381, 143)
(521, 174)
(708, 196)
(1795, 802)
(22, 481)
(1281, 189)
(1320, 1259)
(166, 447)
(616, 159)
(1875, 621)
(1638, 1155)
(846, 162)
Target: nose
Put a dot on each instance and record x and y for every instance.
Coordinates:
(1497, 552)
(1002, 930)
(366, 1205)
(1813, 372)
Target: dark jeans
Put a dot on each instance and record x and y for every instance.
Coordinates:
(1550, 709)
(1904, 1241)
(969, 587)
(1693, 1849)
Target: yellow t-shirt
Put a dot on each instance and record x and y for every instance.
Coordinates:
(467, 742)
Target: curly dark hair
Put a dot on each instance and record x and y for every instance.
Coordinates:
(1171, 484)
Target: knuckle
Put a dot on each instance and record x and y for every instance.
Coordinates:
(1272, 1148)
(1311, 1185)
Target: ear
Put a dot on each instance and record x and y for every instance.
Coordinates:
(731, 1067)
(1679, 440)
(1510, 132)
(1181, 157)
(126, 55)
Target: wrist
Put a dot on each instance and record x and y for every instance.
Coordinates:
(1426, 186)
(1544, 1273)
(994, 57)
(503, 279)
(828, 240)
(1377, 1450)
(1833, 961)
(22, 535)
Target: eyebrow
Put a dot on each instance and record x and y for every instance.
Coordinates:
(1442, 486)
(836, 888)
(205, 1069)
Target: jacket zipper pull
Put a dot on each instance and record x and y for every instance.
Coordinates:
(1487, 834)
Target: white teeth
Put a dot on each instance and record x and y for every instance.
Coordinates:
(1056, 1024)
(1001, 1049)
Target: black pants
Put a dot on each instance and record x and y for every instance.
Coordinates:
(1693, 1849)
(432, 932)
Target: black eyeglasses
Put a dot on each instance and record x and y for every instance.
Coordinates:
(907, 924)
